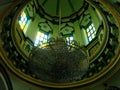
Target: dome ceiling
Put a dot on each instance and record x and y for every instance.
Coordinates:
(27, 25)
(61, 7)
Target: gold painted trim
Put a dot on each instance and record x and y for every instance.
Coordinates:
(105, 36)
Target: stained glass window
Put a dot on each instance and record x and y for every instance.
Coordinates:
(41, 38)
(24, 21)
(91, 32)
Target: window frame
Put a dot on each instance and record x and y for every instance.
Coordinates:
(90, 32)
(26, 22)
(41, 42)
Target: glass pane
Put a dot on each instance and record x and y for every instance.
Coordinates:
(93, 28)
(91, 31)
(87, 30)
(71, 38)
(88, 34)
(92, 25)
(93, 35)
(90, 38)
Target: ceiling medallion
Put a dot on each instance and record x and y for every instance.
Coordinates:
(57, 61)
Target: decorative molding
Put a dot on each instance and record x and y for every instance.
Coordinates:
(45, 27)
(67, 30)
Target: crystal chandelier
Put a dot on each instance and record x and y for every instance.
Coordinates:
(58, 61)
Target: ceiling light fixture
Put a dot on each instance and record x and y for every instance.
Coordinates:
(58, 61)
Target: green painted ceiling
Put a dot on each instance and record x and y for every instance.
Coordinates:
(61, 7)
